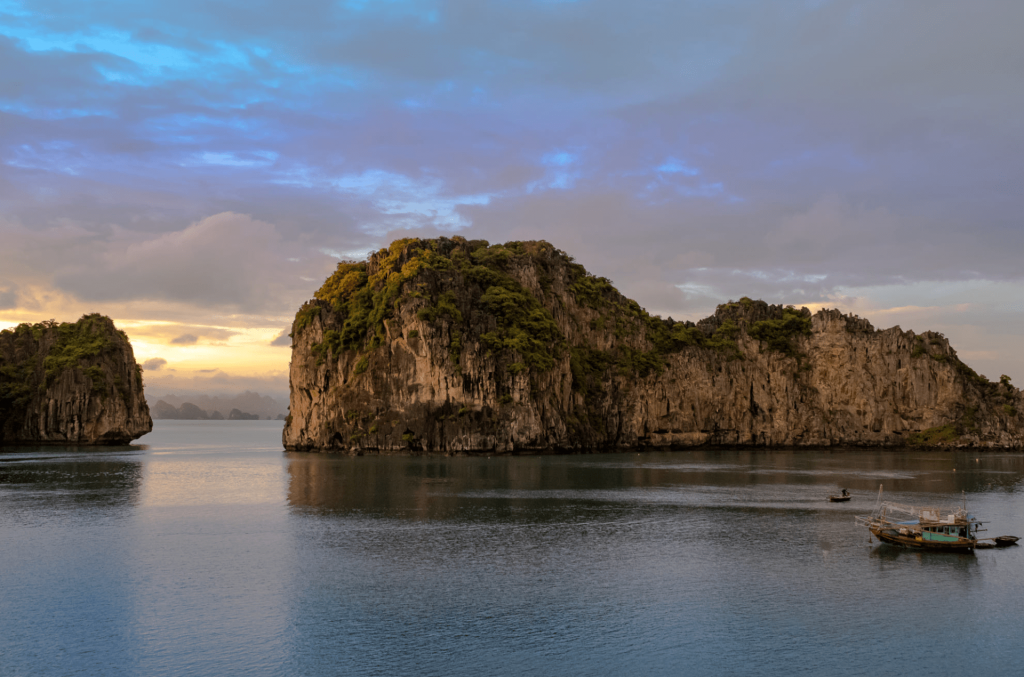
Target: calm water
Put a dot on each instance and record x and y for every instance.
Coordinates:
(209, 551)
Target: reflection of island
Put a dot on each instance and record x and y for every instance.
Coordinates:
(60, 475)
(431, 487)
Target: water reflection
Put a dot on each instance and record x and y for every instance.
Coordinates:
(962, 561)
(66, 477)
(442, 488)
(212, 553)
(628, 564)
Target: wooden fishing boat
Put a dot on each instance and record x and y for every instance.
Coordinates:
(845, 496)
(926, 528)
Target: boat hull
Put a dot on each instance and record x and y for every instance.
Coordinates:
(911, 541)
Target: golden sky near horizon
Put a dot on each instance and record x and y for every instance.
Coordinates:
(226, 357)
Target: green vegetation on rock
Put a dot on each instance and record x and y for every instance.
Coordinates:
(936, 436)
(970, 374)
(305, 317)
(523, 325)
(364, 295)
(75, 342)
(949, 433)
(16, 381)
(919, 347)
(25, 369)
(778, 334)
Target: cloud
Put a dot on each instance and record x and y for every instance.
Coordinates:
(182, 333)
(216, 381)
(195, 160)
(154, 364)
(8, 297)
(223, 260)
(283, 339)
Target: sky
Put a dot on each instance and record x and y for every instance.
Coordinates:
(196, 169)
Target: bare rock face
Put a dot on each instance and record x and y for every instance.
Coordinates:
(70, 383)
(455, 346)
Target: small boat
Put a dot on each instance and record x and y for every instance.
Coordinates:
(997, 542)
(845, 496)
(926, 528)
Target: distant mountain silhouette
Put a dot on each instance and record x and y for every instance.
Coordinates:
(251, 402)
(190, 412)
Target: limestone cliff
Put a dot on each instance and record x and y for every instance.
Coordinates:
(448, 345)
(70, 383)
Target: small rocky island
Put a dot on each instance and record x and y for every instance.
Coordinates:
(455, 346)
(70, 383)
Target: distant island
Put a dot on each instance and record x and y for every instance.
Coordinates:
(459, 346)
(190, 412)
(70, 383)
(189, 405)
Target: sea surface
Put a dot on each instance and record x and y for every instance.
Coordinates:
(207, 550)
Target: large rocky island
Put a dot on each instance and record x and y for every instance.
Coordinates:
(456, 346)
(70, 383)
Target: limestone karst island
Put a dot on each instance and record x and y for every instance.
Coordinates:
(70, 383)
(453, 346)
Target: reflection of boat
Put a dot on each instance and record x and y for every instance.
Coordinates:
(950, 528)
(845, 496)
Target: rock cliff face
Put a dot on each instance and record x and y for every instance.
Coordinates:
(70, 383)
(449, 346)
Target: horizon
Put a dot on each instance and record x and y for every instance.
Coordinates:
(197, 172)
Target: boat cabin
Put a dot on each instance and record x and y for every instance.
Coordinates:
(945, 533)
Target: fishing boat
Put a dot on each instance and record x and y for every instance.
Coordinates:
(928, 528)
(844, 496)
